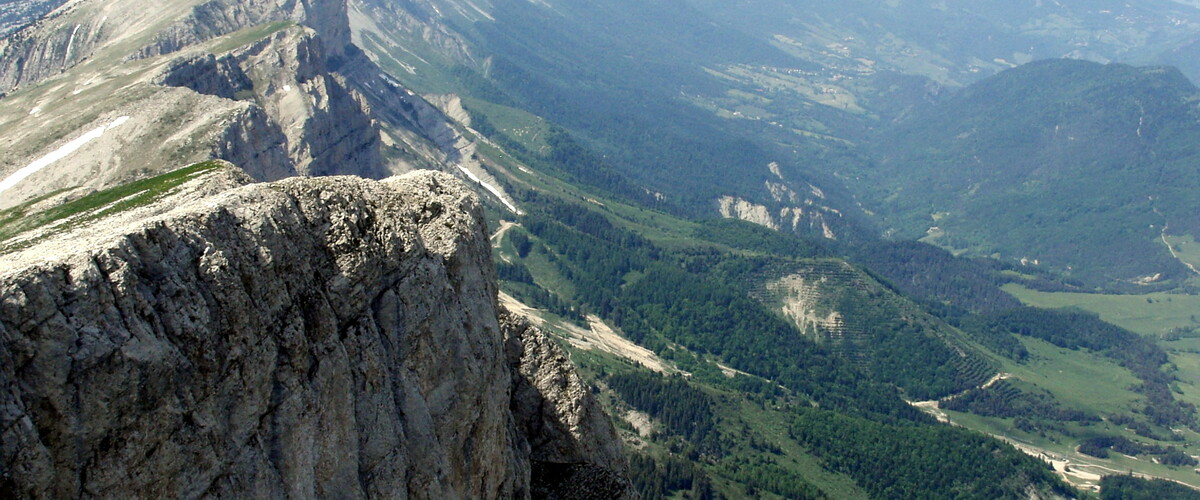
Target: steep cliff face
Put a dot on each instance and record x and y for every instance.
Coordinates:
(328, 127)
(138, 29)
(48, 47)
(274, 86)
(267, 98)
(307, 111)
(310, 337)
(213, 18)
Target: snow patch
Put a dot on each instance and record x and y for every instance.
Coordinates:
(58, 154)
(71, 42)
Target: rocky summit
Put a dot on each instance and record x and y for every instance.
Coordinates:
(331, 337)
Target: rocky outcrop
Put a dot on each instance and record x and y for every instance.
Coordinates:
(213, 18)
(207, 74)
(286, 95)
(552, 404)
(305, 338)
(301, 119)
(47, 47)
(329, 127)
(792, 211)
(575, 453)
(257, 143)
(79, 31)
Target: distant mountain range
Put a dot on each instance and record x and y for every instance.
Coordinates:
(1072, 165)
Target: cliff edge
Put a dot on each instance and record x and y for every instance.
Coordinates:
(331, 337)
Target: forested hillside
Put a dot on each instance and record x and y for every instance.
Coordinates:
(1065, 165)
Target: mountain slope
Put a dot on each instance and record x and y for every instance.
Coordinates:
(276, 88)
(737, 420)
(614, 76)
(957, 43)
(1076, 166)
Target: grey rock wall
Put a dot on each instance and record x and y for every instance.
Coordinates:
(45, 49)
(300, 117)
(332, 337)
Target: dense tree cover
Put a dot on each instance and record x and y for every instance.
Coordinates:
(624, 277)
(521, 243)
(886, 334)
(669, 477)
(585, 167)
(698, 299)
(569, 159)
(993, 335)
(753, 237)
(1071, 163)
(720, 319)
(928, 462)
(901, 345)
(516, 273)
(682, 409)
(934, 274)
(1125, 487)
(590, 252)
(1006, 400)
(1074, 330)
(636, 115)
(759, 473)
(538, 297)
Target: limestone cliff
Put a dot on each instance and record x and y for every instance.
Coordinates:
(328, 128)
(306, 338)
(274, 86)
(86, 29)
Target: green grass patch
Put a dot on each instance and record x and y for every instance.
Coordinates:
(1153, 314)
(1093, 383)
(1019, 275)
(16, 221)
(247, 36)
(1078, 379)
(1185, 355)
(1186, 248)
(1063, 447)
(540, 263)
(527, 129)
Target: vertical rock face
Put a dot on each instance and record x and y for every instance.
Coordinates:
(574, 451)
(324, 127)
(212, 18)
(80, 30)
(46, 49)
(328, 127)
(331, 337)
(274, 86)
